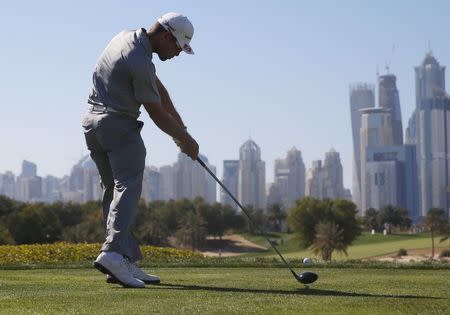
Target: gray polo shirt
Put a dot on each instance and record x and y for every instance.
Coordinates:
(124, 76)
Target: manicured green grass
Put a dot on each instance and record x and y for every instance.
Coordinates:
(366, 245)
(227, 291)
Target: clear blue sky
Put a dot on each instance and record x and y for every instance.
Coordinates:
(278, 71)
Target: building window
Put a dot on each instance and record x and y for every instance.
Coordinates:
(379, 179)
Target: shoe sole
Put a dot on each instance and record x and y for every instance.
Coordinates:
(102, 269)
(113, 279)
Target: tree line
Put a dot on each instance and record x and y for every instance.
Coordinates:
(188, 222)
(324, 226)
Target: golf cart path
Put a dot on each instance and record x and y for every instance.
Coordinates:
(232, 245)
(414, 255)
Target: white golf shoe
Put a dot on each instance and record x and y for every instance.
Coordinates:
(119, 267)
(137, 273)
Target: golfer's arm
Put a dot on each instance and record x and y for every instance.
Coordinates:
(166, 102)
(165, 121)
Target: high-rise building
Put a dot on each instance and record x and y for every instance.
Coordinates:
(91, 181)
(411, 130)
(252, 176)
(333, 176)
(191, 180)
(433, 138)
(30, 188)
(166, 182)
(51, 189)
(29, 169)
(83, 183)
(314, 181)
(325, 181)
(391, 178)
(230, 179)
(8, 185)
(151, 184)
(274, 195)
(376, 130)
(28, 184)
(388, 98)
(289, 180)
(362, 95)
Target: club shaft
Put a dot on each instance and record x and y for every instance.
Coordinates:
(246, 213)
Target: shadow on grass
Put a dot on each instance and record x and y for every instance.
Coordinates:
(300, 291)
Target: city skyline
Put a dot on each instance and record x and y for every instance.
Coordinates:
(185, 179)
(280, 86)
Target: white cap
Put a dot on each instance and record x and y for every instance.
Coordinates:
(180, 27)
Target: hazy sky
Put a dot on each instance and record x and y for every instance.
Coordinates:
(278, 71)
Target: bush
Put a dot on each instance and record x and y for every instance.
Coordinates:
(445, 253)
(77, 253)
(402, 252)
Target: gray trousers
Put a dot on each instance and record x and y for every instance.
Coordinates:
(117, 149)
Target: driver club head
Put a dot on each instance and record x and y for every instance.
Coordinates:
(307, 277)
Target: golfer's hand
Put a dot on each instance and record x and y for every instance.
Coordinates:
(188, 146)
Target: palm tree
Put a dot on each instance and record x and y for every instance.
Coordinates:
(435, 221)
(329, 237)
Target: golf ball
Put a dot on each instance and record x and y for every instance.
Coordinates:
(307, 261)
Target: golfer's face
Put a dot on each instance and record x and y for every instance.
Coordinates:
(171, 47)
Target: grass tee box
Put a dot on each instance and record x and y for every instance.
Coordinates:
(227, 291)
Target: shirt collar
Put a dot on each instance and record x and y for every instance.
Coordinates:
(144, 40)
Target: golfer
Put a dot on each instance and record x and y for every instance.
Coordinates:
(124, 79)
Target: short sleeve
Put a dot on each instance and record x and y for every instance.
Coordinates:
(144, 82)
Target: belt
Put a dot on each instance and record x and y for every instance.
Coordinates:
(97, 108)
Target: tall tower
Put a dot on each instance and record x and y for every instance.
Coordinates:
(314, 181)
(432, 121)
(191, 180)
(333, 176)
(230, 179)
(29, 169)
(388, 98)
(289, 179)
(252, 176)
(376, 130)
(362, 95)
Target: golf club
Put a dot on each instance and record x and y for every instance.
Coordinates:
(305, 277)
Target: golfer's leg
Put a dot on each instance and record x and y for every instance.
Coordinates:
(100, 157)
(127, 164)
(106, 179)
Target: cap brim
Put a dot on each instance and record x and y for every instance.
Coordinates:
(188, 50)
(185, 46)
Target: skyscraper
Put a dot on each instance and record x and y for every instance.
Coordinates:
(167, 183)
(325, 181)
(376, 130)
(29, 169)
(391, 178)
(362, 95)
(7, 185)
(252, 176)
(91, 181)
(432, 120)
(333, 176)
(230, 179)
(51, 189)
(191, 180)
(151, 184)
(314, 181)
(28, 184)
(289, 179)
(411, 130)
(388, 98)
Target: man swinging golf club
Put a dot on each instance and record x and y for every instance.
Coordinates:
(124, 79)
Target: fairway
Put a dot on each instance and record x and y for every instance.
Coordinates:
(227, 291)
(365, 246)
